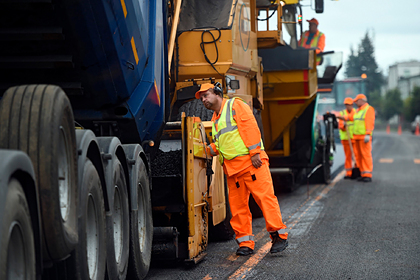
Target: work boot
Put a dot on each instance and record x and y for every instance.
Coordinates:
(347, 177)
(244, 251)
(360, 179)
(367, 179)
(279, 244)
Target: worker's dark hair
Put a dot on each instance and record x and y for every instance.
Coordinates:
(218, 89)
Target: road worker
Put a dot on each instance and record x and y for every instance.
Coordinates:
(313, 38)
(346, 131)
(364, 122)
(237, 141)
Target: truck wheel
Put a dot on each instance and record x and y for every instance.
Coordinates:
(38, 120)
(222, 231)
(17, 257)
(118, 227)
(141, 228)
(323, 174)
(88, 260)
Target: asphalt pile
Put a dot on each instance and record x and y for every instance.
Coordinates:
(167, 164)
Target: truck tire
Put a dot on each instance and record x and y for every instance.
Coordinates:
(222, 231)
(118, 226)
(197, 109)
(323, 174)
(88, 260)
(38, 120)
(141, 228)
(17, 256)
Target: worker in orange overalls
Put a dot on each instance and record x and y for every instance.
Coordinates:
(364, 122)
(346, 131)
(313, 38)
(237, 141)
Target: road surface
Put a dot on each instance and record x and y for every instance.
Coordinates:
(344, 230)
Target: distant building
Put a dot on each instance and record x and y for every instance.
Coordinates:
(404, 76)
(406, 85)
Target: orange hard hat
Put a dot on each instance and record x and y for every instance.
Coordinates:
(360, 96)
(314, 20)
(203, 87)
(348, 101)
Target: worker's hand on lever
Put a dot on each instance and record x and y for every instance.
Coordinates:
(256, 161)
(367, 138)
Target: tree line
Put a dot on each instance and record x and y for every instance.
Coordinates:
(362, 61)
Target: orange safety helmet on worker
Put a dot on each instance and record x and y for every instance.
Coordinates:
(346, 132)
(364, 123)
(235, 130)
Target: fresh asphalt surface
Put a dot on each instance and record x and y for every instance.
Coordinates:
(344, 230)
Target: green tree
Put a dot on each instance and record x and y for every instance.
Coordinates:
(376, 100)
(412, 104)
(363, 62)
(392, 104)
(352, 65)
(407, 108)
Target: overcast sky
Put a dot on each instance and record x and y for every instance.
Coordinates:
(394, 23)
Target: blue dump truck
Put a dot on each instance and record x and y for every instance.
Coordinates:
(103, 166)
(84, 191)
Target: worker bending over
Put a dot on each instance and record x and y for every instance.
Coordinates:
(364, 122)
(346, 132)
(237, 141)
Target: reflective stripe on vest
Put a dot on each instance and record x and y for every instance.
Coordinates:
(359, 122)
(229, 141)
(314, 42)
(350, 127)
(245, 238)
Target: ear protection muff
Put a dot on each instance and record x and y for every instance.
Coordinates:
(218, 88)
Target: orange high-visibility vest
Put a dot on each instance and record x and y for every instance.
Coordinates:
(314, 43)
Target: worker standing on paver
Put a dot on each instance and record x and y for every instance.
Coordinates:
(313, 39)
(364, 122)
(237, 141)
(346, 131)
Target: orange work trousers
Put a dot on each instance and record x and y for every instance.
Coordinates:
(258, 182)
(348, 163)
(364, 160)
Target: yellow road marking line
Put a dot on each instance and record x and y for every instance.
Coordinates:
(314, 188)
(242, 271)
(417, 160)
(386, 160)
(251, 262)
(207, 277)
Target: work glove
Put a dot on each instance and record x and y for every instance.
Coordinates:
(367, 138)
